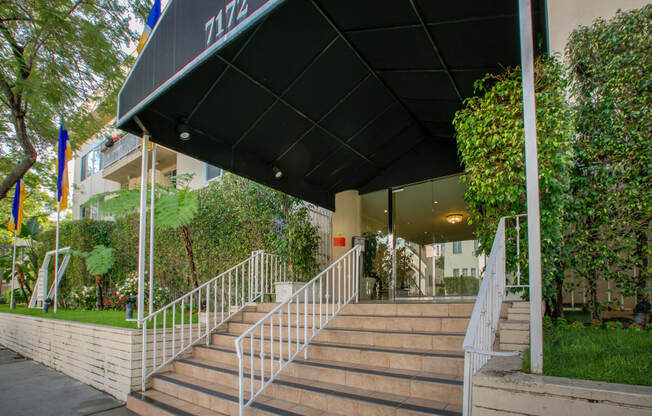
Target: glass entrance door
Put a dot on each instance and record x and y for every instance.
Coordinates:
(419, 243)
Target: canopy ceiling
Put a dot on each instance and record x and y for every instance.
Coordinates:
(338, 94)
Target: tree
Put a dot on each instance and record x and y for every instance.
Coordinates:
(490, 140)
(55, 55)
(175, 206)
(98, 262)
(611, 89)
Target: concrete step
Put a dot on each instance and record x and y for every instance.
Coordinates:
(291, 392)
(516, 316)
(508, 336)
(365, 322)
(417, 384)
(389, 309)
(442, 362)
(514, 347)
(411, 339)
(224, 400)
(515, 325)
(156, 403)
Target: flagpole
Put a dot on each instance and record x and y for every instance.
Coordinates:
(151, 233)
(56, 258)
(12, 303)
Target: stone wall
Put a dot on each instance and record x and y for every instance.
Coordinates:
(107, 358)
(500, 388)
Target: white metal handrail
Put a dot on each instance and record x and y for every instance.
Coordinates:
(207, 307)
(276, 347)
(483, 325)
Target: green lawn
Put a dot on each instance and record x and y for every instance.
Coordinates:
(106, 317)
(618, 356)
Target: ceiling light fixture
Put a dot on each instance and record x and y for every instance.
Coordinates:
(454, 218)
(183, 130)
(278, 174)
(435, 202)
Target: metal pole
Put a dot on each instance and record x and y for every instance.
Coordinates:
(56, 259)
(12, 305)
(532, 184)
(142, 229)
(151, 233)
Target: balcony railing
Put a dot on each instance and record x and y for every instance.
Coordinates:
(121, 148)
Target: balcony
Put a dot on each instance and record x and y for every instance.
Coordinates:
(122, 161)
(127, 144)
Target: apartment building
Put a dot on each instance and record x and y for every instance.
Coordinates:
(111, 160)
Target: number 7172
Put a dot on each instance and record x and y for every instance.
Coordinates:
(232, 13)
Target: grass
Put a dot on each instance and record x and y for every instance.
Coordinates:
(104, 317)
(618, 356)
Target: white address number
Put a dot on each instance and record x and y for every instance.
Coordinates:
(225, 20)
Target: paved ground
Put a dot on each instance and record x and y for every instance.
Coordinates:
(31, 389)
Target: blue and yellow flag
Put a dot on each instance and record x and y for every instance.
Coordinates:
(64, 156)
(154, 14)
(17, 208)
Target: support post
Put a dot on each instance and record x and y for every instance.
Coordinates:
(532, 186)
(142, 230)
(12, 303)
(151, 233)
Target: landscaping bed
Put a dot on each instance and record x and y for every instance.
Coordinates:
(601, 352)
(110, 317)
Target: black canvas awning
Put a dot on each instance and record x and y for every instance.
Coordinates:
(337, 94)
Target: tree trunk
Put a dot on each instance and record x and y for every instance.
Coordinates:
(100, 296)
(643, 265)
(22, 280)
(592, 286)
(18, 120)
(557, 299)
(184, 232)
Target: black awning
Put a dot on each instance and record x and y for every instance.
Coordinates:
(338, 94)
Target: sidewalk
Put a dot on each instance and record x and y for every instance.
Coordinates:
(28, 389)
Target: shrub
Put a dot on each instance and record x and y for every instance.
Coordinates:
(130, 288)
(18, 296)
(490, 140)
(80, 235)
(462, 285)
(84, 298)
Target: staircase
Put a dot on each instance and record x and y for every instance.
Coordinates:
(515, 330)
(372, 359)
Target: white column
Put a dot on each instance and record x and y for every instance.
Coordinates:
(532, 186)
(142, 230)
(151, 233)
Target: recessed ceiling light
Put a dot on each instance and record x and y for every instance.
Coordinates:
(454, 218)
(385, 211)
(435, 202)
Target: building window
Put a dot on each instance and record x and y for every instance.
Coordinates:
(84, 212)
(457, 247)
(476, 244)
(464, 271)
(473, 271)
(90, 163)
(456, 272)
(211, 172)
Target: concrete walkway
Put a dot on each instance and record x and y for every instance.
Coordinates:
(31, 389)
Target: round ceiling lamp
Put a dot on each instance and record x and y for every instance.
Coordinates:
(454, 218)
